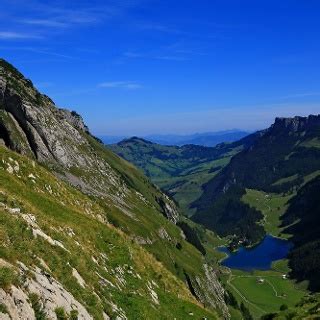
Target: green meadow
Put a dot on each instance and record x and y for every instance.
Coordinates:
(263, 292)
(272, 206)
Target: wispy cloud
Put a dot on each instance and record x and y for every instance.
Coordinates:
(42, 51)
(182, 31)
(130, 85)
(63, 18)
(172, 58)
(301, 95)
(176, 51)
(12, 35)
(45, 23)
(160, 28)
(50, 53)
(169, 56)
(42, 20)
(134, 55)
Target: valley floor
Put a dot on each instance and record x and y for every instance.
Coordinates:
(263, 292)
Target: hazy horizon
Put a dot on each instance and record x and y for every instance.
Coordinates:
(145, 127)
(182, 134)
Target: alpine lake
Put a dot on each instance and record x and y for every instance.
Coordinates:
(259, 257)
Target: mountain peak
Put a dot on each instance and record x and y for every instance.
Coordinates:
(8, 68)
(14, 83)
(296, 123)
(135, 139)
(31, 124)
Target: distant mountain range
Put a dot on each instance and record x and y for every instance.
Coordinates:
(207, 139)
(181, 171)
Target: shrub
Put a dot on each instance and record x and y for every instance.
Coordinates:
(179, 246)
(73, 315)
(245, 312)
(7, 278)
(3, 308)
(269, 316)
(61, 314)
(231, 300)
(192, 236)
(37, 307)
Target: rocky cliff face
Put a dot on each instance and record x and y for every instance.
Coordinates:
(296, 123)
(213, 293)
(32, 125)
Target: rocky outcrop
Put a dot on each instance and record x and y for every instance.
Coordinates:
(296, 123)
(168, 208)
(209, 291)
(50, 293)
(41, 127)
(17, 305)
(54, 295)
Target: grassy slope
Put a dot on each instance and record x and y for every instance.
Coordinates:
(307, 308)
(58, 209)
(148, 221)
(187, 187)
(273, 206)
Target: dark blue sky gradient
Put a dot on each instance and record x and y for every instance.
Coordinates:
(136, 67)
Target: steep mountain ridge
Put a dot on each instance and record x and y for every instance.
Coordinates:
(32, 125)
(296, 124)
(278, 162)
(55, 137)
(264, 163)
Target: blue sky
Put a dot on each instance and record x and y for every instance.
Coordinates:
(136, 67)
